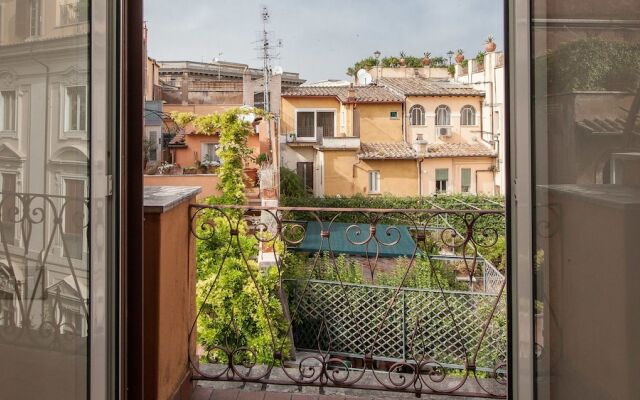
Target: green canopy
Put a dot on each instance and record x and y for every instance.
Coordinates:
(344, 236)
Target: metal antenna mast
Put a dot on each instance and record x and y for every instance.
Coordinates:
(266, 58)
(267, 54)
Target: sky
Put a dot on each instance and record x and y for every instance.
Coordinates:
(320, 38)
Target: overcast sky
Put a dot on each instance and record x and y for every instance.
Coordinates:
(321, 38)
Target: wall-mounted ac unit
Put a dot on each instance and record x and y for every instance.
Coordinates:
(443, 131)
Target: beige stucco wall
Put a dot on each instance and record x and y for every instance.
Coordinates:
(376, 125)
(459, 133)
(485, 180)
(345, 175)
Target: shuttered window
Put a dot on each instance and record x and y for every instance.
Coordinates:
(442, 179)
(374, 181)
(465, 180)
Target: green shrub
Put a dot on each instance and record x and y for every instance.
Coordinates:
(291, 184)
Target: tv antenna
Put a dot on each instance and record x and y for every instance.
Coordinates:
(268, 52)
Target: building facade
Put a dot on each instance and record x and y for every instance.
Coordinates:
(406, 136)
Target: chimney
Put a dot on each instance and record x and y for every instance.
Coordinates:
(351, 97)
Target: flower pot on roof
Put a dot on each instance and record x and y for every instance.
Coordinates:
(426, 60)
(459, 56)
(403, 61)
(490, 44)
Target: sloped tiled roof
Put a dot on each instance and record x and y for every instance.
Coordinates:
(429, 87)
(179, 138)
(443, 150)
(364, 94)
(383, 151)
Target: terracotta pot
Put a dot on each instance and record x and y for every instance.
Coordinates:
(426, 62)
(251, 176)
(490, 47)
(459, 58)
(403, 62)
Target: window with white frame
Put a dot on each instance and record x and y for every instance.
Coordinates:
(443, 115)
(442, 180)
(468, 115)
(315, 123)
(153, 146)
(210, 154)
(75, 116)
(8, 110)
(72, 11)
(374, 181)
(416, 115)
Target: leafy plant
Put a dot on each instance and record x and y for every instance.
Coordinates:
(240, 304)
(291, 184)
(480, 57)
(592, 64)
(262, 158)
(490, 39)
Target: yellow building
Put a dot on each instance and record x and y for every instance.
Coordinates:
(380, 138)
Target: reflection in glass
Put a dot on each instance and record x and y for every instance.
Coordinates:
(44, 153)
(587, 192)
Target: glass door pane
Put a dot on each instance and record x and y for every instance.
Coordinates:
(586, 135)
(45, 272)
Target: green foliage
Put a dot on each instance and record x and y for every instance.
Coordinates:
(182, 119)
(291, 184)
(497, 254)
(366, 63)
(394, 62)
(424, 274)
(262, 158)
(240, 304)
(452, 69)
(480, 57)
(592, 64)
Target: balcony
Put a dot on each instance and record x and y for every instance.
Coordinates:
(356, 301)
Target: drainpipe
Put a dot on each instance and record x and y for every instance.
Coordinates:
(419, 164)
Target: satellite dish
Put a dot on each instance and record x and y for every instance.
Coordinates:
(364, 78)
(278, 70)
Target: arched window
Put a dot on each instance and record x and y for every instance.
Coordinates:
(416, 115)
(468, 115)
(443, 115)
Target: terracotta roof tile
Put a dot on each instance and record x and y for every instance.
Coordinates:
(429, 87)
(382, 151)
(364, 94)
(442, 150)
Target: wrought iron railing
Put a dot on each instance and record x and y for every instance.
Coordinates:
(44, 280)
(318, 289)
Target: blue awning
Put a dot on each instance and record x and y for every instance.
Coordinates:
(390, 240)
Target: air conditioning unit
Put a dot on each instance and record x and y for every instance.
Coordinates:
(443, 131)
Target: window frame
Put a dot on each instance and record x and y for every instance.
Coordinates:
(315, 111)
(35, 27)
(447, 110)
(391, 116)
(203, 153)
(373, 173)
(14, 128)
(438, 186)
(63, 229)
(417, 109)
(66, 117)
(462, 185)
(472, 118)
(78, 18)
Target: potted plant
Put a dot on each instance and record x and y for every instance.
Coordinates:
(262, 158)
(459, 56)
(403, 61)
(490, 44)
(426, 60)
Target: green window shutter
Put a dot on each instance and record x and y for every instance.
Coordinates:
(465, 177)
(442, 174)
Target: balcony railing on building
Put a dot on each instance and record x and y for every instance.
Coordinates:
(392, 300)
